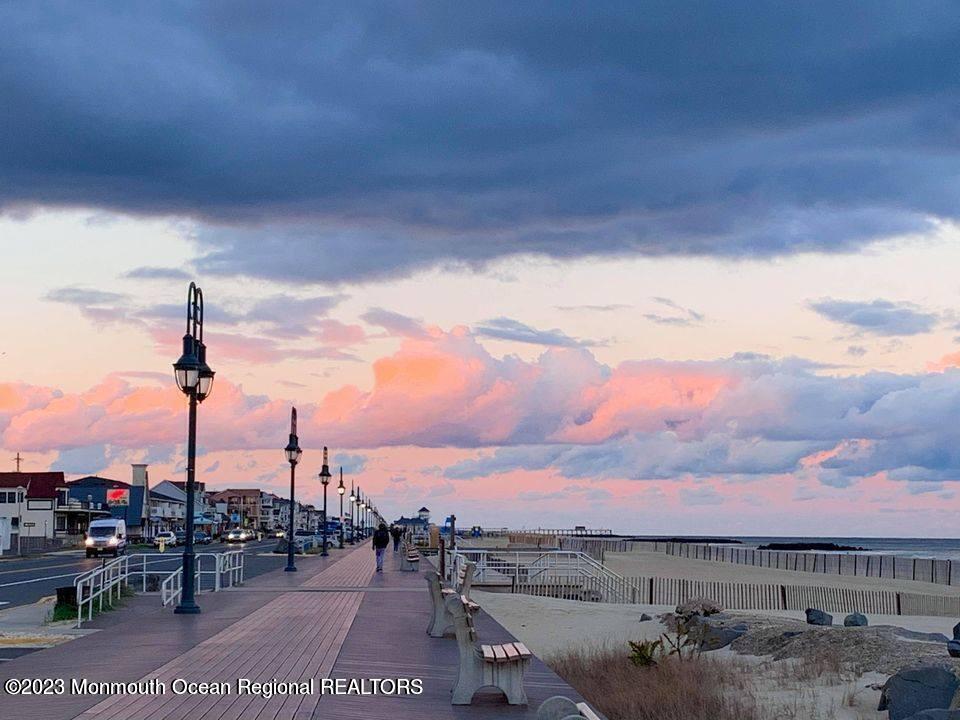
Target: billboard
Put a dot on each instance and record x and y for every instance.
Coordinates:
(118, 496)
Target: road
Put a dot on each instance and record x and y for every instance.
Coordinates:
(26, 580)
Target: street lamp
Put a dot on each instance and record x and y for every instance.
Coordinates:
(353, 514)
(324, 480)
(293, 453)
(195, 379)
(340, 491)
(363, 517)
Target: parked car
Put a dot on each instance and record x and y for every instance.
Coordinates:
(181, 536)
(202, 538)
(107, 536)
(278, 533)
(169, 538)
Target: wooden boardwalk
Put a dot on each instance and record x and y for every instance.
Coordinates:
(337, 619)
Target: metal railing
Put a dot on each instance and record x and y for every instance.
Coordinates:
(224, 570)
(172, 587)
(98, 583)
(561, 572)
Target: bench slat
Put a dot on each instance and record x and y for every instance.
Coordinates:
(499, 653)
(487, 651)
(511, 651)
(522, 649)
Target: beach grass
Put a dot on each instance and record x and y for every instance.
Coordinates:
(697, 688)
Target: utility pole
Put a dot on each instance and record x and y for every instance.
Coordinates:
(18, 460)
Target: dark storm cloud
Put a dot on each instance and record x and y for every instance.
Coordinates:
(327, 142)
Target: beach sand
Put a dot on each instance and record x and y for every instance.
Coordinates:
(549, 625)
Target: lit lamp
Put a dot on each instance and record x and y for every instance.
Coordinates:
(324, 480)
(353, 513)
(340, 491)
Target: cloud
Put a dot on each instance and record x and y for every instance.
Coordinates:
(352, 464)
(394, 323)
(339, 143)
(681, 316)
(743, 418)
(878, 317)
(503, 328)
(157, 273)
(594, 308)
(856, 351)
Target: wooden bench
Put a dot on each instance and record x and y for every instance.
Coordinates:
(500, 666)
(409, 557)
(442, 622)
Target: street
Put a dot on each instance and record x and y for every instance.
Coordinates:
(26, 580)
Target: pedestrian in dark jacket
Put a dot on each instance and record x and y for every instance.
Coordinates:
(397, 532)
(381, 538)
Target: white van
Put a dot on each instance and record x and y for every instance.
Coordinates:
(106, 537)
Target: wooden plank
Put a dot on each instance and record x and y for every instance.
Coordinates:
(522, 649)
(511, 651)
(487, 652)
(499, 653)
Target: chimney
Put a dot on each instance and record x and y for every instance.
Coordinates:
(141, 478)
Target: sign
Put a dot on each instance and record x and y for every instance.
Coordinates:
(29, 524)
(118, 496)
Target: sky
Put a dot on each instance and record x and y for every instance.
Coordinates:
(684, 269)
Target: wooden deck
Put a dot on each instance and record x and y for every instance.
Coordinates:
(337, 619)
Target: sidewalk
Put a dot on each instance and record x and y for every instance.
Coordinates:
(334, 618)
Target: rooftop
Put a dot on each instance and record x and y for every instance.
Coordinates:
(38, 484)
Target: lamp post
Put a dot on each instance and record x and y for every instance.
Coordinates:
(293, 453)
(324, 480)
(363, 518)
(195, 379)
(340, 491)
(353, 514)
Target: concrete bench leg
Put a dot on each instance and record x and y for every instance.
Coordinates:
(507, 677)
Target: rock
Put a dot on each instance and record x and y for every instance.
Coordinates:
(818, 617)
(855, 620)
(956, 631)
(644, 617)
(699, 606)
(912, 690)
(938, 714)
(953, 647)
(557, 708)
(714, 633)
(790, 634)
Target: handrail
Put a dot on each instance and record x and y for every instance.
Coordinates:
(538, 569)
(104, 580)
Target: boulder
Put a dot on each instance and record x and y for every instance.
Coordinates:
(644, 617)
(699, 606)
(855, 620)
(956, 631)
(818, 617)
(953, 648)
(939, 714)
(714, 633)
(915, 689)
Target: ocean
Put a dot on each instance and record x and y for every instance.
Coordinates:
(937, 548)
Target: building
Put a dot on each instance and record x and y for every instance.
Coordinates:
(419, 525)
(125, 501)
(243, 506)
(34, 510)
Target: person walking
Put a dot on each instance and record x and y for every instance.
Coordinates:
(381, 538)
(397, 533)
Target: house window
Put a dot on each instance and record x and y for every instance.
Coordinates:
(15, 522)
(64, 498)
(61, 522)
